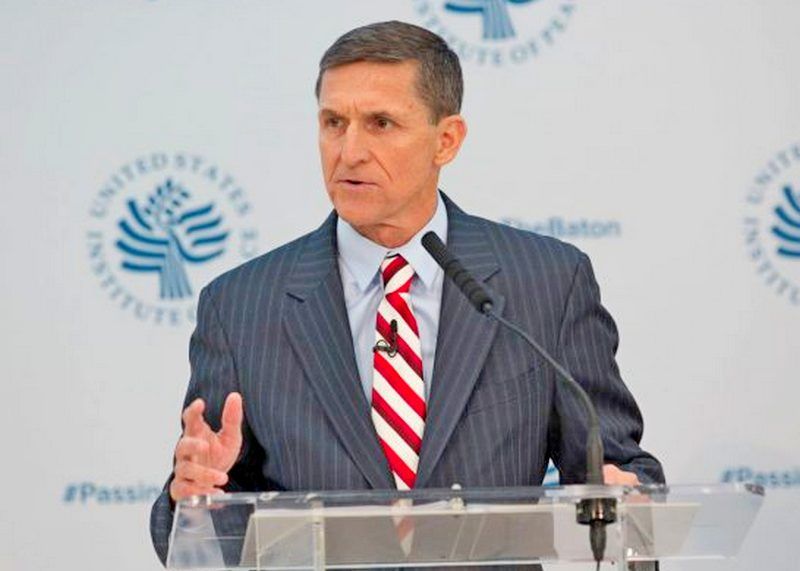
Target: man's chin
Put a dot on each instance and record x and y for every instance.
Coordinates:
(356, 218)
(355, 208)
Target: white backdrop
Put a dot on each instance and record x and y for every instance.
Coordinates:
(656, 136)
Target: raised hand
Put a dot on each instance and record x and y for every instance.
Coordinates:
(204, 457)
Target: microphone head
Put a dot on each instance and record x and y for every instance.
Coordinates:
(453, 269)
(436, 248)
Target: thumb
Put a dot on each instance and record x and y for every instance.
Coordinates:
(232, 415)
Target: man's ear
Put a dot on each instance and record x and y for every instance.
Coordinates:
(452, 130)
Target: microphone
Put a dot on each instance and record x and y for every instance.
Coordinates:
(389, 348)
(594, 512)
(453, 269)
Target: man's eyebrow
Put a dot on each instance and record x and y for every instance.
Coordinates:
(382, 113)
(328, 112)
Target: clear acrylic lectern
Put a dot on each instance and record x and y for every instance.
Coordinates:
(425, 528)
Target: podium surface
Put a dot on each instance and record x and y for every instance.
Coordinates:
(454, 527)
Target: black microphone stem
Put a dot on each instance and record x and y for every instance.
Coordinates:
(594, 443)
(595, 512)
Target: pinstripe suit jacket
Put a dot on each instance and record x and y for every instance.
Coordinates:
(276, 330)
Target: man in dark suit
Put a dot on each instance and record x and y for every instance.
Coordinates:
(344, 360)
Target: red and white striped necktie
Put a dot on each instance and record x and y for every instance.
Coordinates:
(398, 390)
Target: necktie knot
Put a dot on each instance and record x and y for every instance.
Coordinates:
(396, 274)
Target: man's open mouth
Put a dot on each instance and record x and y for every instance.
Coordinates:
(355, 182)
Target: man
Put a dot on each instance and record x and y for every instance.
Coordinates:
(344, 360)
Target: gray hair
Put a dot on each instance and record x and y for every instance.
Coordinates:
(439, 80)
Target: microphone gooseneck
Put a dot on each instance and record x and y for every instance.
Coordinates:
(594, 512)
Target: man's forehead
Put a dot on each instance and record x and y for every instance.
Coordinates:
(371, 87)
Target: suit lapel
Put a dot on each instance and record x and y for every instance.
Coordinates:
(318, 329)
(463, 342)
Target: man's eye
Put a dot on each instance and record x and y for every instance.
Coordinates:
(383, 122)
(333, 122)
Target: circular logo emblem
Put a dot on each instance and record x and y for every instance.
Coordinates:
(162, 226)
(497, 32)
(772, 224)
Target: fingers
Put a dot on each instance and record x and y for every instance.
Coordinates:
(200, 444)
(182, 489)
(193, 422)
(199, 475)
(202, 457)
(630, 479)
(192, 450)
(613, 476)
(232, 415)
(193, 475)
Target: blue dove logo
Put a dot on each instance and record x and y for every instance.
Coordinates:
(512, 31)
(772, 224)
(496, 19)
(175, 218)
(165, 233)
(787, 228)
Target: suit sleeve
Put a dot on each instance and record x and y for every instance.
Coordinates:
(587, 344)
(213, 377)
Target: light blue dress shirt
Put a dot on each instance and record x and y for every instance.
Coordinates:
(359, 263)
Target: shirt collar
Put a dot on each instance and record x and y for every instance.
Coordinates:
(362, 257)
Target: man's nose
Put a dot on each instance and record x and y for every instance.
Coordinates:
(355, 148)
